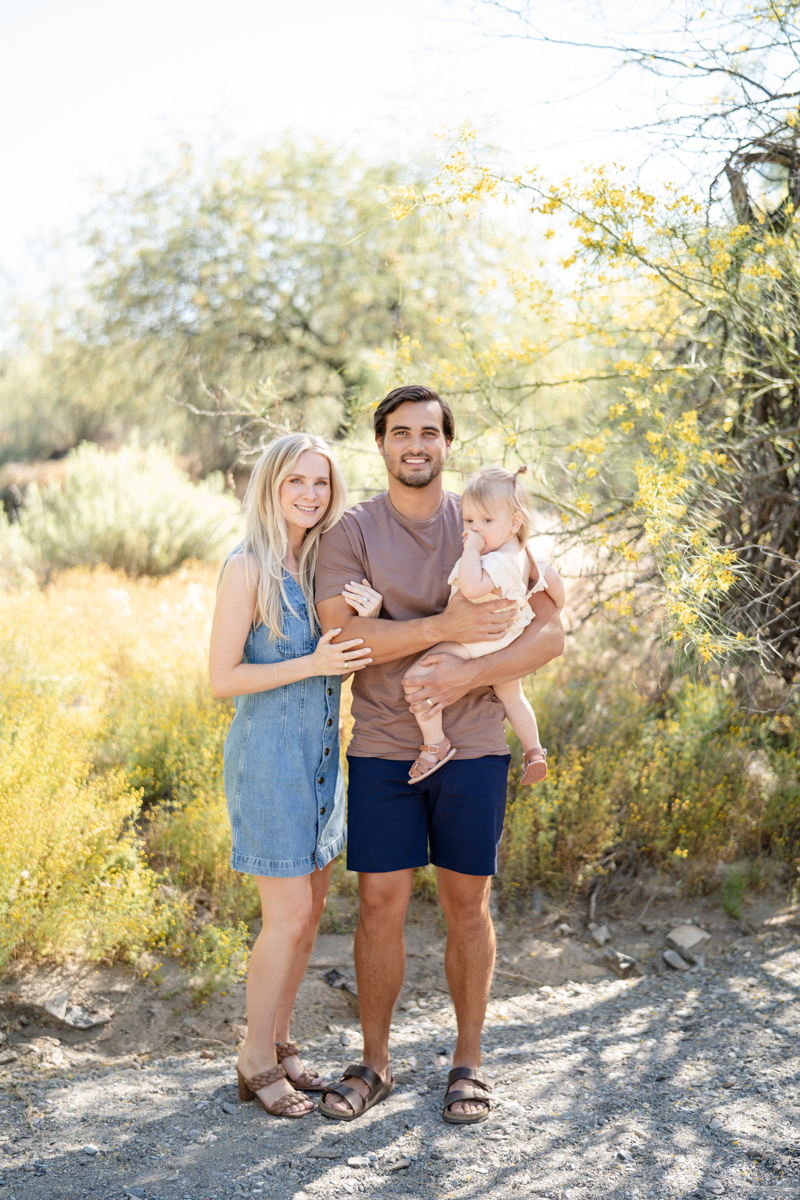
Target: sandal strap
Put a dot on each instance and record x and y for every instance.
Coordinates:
(421, 767)
(440, 749)
(279, 1106)
(353, 1098)
(286, 1050)
(265, 1078)
(455, 1095)
(304, 1079)
(358, 1071)
(533, 755)
(475, 1075)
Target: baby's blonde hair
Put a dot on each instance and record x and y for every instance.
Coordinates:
(496, 483)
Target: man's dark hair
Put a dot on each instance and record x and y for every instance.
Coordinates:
(417, 394)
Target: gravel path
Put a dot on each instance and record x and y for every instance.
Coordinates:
(683, 1084)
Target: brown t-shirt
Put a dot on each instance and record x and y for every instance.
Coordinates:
(408, 562)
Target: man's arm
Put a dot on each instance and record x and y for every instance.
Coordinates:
(538, 644)
(461, 621)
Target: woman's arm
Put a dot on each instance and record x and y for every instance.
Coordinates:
(233, 616)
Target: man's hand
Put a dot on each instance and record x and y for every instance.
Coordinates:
(451, 680)
(462, 621)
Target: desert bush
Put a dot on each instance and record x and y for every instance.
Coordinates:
(19, 561)
(111, 795)
(104, 684)
(72, 879)
(679, 784)
(135, 510)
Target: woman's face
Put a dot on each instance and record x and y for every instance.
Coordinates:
(306, 493)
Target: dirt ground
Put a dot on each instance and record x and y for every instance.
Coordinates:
(666, 1083)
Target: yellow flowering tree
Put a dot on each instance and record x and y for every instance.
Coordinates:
(681, 338)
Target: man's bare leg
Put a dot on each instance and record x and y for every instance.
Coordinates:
(380, 953)
(468, 963)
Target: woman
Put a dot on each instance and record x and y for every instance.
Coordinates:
(283, 781)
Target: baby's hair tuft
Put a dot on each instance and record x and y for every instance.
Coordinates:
(496, 483)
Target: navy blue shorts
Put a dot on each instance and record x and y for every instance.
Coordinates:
(458, 812)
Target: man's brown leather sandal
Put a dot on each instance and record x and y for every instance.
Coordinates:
(378, 1090)
(535, 764)
(421, 768)
(475, 1088)
(304, 1081)
(248, 1090)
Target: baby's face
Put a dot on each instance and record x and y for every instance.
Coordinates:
(497, 523)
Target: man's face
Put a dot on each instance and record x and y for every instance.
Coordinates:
(414, 447)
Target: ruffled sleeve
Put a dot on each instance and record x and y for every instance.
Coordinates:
(504, 575)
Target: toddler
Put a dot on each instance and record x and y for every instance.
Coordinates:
(497, 512)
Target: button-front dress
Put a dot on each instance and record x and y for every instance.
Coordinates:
(283, 779)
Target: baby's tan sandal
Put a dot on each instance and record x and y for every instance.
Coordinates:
(535, 766)
(421, 768)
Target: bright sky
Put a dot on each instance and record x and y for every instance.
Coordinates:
(90, 88)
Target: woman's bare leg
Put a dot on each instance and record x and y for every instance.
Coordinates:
(320, 880)
(520, 715)
(287, 907)
(431, 729)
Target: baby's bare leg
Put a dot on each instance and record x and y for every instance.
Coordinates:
(432, 732)
(519, 712)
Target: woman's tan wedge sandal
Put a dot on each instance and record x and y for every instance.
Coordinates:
(535, 764)
(303, 1082)
(421, 768)
(248, 1090)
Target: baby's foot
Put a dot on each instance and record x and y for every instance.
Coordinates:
(431, 756)
(534, 763)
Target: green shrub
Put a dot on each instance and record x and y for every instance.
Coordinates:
(72, 879)
(733, 889)
(683, 786)
(19, 561)
(134, 510)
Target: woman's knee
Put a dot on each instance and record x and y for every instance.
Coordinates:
(287, 905)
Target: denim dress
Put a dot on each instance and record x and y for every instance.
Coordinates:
(283, 780)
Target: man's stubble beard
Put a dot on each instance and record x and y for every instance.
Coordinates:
(417, 479)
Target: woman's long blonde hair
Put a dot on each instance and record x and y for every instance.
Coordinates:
(266, 536)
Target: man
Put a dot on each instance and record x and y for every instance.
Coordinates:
(405, 542)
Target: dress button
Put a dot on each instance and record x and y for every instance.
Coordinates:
(330, 691)
(321, 779)
(330, 722)
(327, 751)
(322, 812)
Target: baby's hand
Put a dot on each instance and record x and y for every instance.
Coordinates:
(364, 599)
(473, 538)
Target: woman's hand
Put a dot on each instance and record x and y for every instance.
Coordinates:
(363, 598)
(341, 659)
